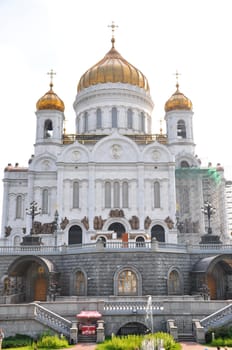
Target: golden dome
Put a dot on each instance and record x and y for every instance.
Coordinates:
(178, 101)
(113, 68)
(50, 101)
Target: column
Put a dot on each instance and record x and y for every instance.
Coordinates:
(91, 195)
(140, 197)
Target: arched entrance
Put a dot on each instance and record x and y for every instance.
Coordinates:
(132, 328)
(75, 235)
(29, 279)
(140, 242)
(212, 277)
(118, 228)
(158, 232)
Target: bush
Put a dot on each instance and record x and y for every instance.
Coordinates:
(19, 340)
(132, 342)
(222, 336)
(52, 342)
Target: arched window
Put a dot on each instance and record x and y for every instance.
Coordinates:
(114, 117)
(184, 164)
(140, 242)
(129, 119)
(86, 126)
(142, 122)
(125, 195)
(75, 235)
(181, 129)
(17, 240)
(174, 283)
(48, 129)
(107, 195)
(80, 283)
(127, 283)
(45, 201)
(76, 194)
(99, 118)
(118, 228)
(157, 194)
(116, 195)
(19, 208)
(158, 232)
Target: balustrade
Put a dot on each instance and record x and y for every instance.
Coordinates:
(52, 320)
(119, 245)
(217, 317)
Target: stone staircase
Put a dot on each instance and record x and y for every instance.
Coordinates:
(84, 338)
(52, 320)
(219, 318)
(186, 338)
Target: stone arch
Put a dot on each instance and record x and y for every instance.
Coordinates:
(122, 149)
(184, 164)
(48, 128)
(157, 153)
(75, 235)
(181, 129)
(127, 281)
(137, 328)
(212, 277)
(158, 232)
(102, 239)
(140, 241)
(29, 278)
(113, 220)
(174, 282)
(117, 227)
(17, 240)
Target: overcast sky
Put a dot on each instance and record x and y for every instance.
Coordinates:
(156, 36)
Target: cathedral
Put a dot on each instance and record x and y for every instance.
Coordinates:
(112, 179)
(92, 209)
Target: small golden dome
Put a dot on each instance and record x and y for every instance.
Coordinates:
(50, 101)
(113, 68)
(178, 101)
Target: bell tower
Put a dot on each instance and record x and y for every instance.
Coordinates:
(50, 116)
(179, 125)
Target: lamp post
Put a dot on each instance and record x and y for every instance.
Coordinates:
(208, 210)
(179, 223)
(56, 218)
(33, 210)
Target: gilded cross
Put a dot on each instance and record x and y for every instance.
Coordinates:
(112, 26)
(177, 74)
(51, 73)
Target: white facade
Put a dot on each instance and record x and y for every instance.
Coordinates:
(112, 176)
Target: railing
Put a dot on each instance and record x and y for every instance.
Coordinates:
(134, 307)
(85, 138)
(51, 319)
(116, 245)
(219, 317)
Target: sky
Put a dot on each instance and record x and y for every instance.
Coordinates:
(159, 37)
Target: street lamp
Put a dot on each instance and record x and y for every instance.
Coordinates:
(56, 218)
(179, 224)
(33, 210)
(208, 210)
